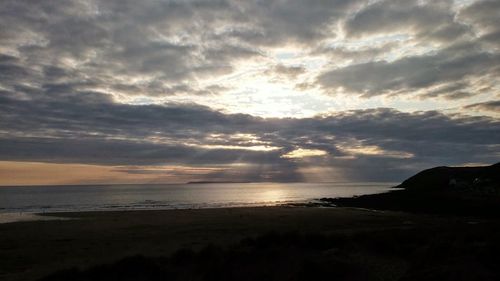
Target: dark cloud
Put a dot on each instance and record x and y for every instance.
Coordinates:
(340, 53)
(484, 17)
(430, 19)
(485, 106)
(301, 22)
(124, 152)
(482, 13)
(286, 72)
(450, 65)
(90, 128)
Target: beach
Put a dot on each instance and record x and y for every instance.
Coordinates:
(33, 249)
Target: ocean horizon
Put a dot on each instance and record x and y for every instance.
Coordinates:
(117, 197)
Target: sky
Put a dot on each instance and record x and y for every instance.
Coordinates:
(158, 91)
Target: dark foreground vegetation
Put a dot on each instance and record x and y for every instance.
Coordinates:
(459, 252)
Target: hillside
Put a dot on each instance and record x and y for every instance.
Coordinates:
(470, 191)
(483, 179)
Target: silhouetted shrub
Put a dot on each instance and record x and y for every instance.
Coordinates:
(402, 254)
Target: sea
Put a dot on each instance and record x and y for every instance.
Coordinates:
(78, 198)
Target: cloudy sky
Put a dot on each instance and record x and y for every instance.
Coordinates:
(158, 91)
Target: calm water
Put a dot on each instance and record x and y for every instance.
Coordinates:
(173, 196)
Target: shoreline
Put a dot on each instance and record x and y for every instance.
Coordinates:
(24, 216)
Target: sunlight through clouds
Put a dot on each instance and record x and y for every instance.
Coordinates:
(303, 153)
(256, 90)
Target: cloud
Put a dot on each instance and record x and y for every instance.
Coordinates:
(485, 106)
(300, 22)
(161, 49)
(450, 65)
(484, 18)
(125, 48)
(286, 72)
(90, 128)
(153, 47)
(436, 49)
(482, 14)
(369, 53)
(429, 19)
(121, 82)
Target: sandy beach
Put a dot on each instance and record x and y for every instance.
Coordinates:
(31, 250)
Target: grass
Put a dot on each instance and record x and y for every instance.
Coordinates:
(452, 252)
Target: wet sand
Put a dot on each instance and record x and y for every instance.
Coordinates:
(31, 250)
(24, 217)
